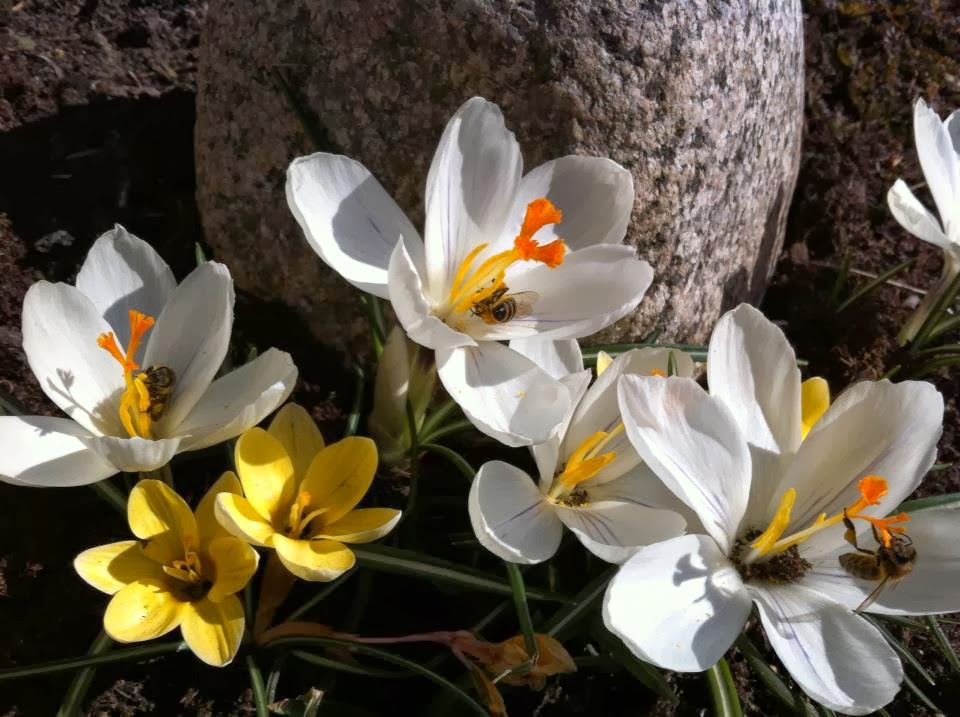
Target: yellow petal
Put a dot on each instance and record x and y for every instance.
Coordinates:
(142, 610)
(207, 523)
(603, 361)
(340, 476)
(111, 567)
(233, 563)
(314, 560)
(361, 526)
(239, 518)
(298, 433)
(214, 630)
(814, 402)
(266, 473)
(161, 517)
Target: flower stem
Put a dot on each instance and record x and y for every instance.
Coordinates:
(526, 624)
(256, 684)
(111, 495)
(726, 702)
(455, 458)
(81, 681)
(437, 417)
(128, 654)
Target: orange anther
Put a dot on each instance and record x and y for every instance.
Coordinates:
(657, 372)
(872, 488)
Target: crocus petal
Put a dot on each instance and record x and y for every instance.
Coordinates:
(298, 433)
(504, 394)
(234, 563)
(511, 517)
(547, 454)
(931, 588)
(692, 442)
(241, 519)
(339, 476)
(49, 453)
(837, 657)
(614, 530)
(239, 400)
(678, 604)
(123, 272)
(752, 368)
(914, 217)
(940, 164)
(557, 358)
(191, 337)
(952, 123)
(266, 473)
(470, 188)
(593, 288)
(133, 455)
(347, 217)
(873, 428)
(361, 526)
(595, 195)
(213, 630)
(111, 567)
(163, 519)
(314, 560)
(60, 330)
(208, 526)
(142, 610)
(413, 310)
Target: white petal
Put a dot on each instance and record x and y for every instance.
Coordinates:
(60, 330)
(933, 587)
(511, 517)
(348, 218)
(470, 188)
(837, 657)
(504, 394)
(613, 530)
(940, 164)
(913, 216)
(123, 272)
(873, 428)
(691, 441)
(593, 288)
(133, 455)
(47, 453)
(952, 123)
(557, 358)
(239, 400)
(679, 604)
(547, 455)
(412, 308)
(752, 368)
(595, 195)
(192, 336)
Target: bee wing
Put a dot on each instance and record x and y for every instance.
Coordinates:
(874, 594)
(525, 301)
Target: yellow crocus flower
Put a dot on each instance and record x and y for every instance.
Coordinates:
(183, 572)
(300, 496)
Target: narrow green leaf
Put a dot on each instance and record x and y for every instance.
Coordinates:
(945, 326)
(947, 500)
(941, 349)
(458, 461)
(652, 337)
(567, 617)
(726, 702)
(874, 283)
(321, 595)
(943, 643)
(912, 686)
(199, 254)
(350, 668)
(256, 684)
(771, 679)
(353, 418)
(385, 656)
(671, 364)
(77, 692)
(438, 417)
(901, 649)
(523, 617)
(935, 317)
(448, 429)
(841, 279)
(111, 495)
(935, 365)
(378, 330)
(646, 674)
(407, 562)
(129, 654)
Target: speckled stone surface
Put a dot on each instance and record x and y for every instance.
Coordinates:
(702, 101)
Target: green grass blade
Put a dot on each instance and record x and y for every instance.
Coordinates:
(935, 317)
(943, 643)
(352, 669)
(77, 692)
(564, 619)
(256, 684)
(646, 674)
(129, 654)
(945, 326)
(523, 617)
(912, 686)
(901, 649)
(874, 283)
(777, 687)
(947, 500)
(841, 279)
(723, 691)
(448, 429)
(407, 562)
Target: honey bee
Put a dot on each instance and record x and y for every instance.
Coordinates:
(889, 565)
(159, 382)
(500, 307)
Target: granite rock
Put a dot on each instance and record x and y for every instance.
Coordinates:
(702, 101)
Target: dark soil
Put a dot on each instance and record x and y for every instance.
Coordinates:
(97, 110)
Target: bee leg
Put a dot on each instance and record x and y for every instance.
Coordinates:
(850, 534)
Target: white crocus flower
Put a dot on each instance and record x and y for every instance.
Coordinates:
(773, 504)
(138, 389)
(591, 478)
(493, 265)
(938, 149)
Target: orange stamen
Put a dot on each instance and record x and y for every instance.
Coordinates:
(108, 342)
(657, 372)
(872, 488)
(140, 323)
(885, 526)
(540, 213)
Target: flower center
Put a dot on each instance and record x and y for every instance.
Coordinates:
(583, 464)
(147, 392)
(189, 572)
(872, 488)
(482, 290)
(298, 518)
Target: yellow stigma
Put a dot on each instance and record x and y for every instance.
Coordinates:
(814, 402)
(135, 401)
(872, 488)
(585, 462)
(472, 286)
